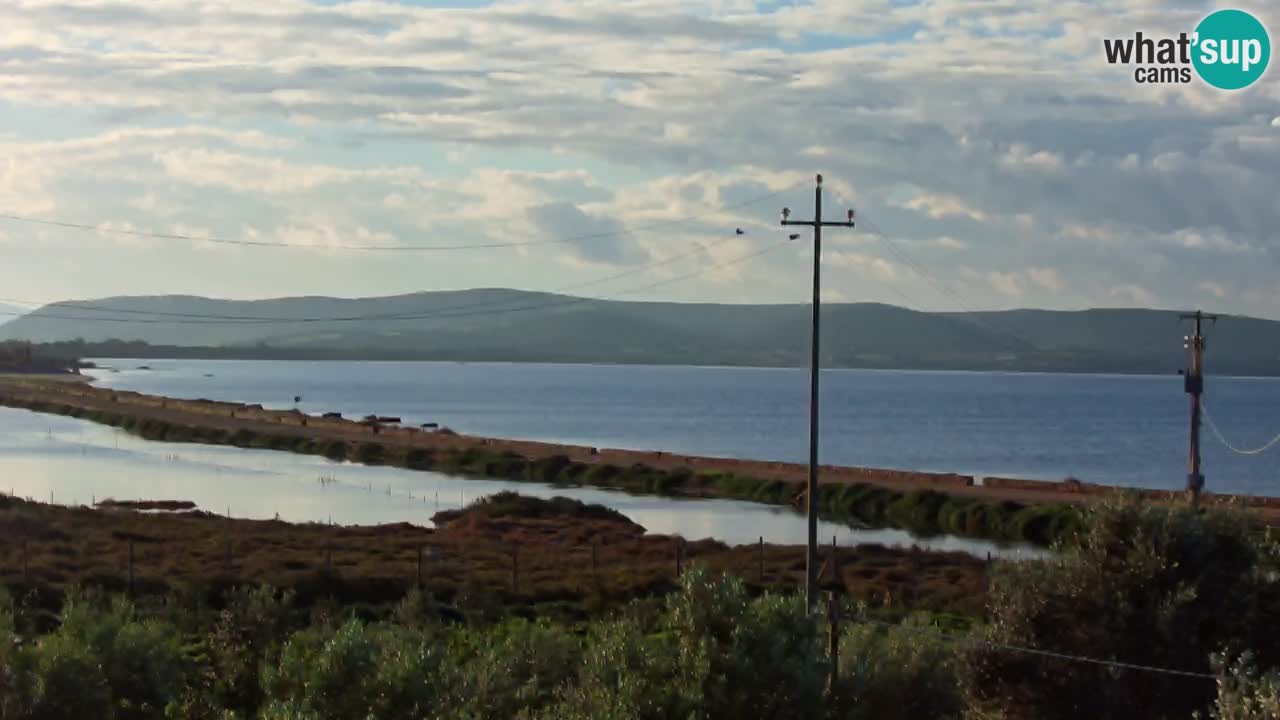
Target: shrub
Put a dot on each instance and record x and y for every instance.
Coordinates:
(1243, 692)
(418, 459)
(548, 469)
(897, 672)
(242, 438)
(358, 671)
(1146, 584)
(335, 450)
(743, 658)
(370, 453)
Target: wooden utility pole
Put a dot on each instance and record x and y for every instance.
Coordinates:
(1193, 383)
(811, 494)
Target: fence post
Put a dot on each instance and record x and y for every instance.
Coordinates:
(419, 566)
(761, 559)
(835, 563)
(679, 559)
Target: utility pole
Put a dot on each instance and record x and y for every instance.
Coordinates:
(1193, 383)
(811, 499)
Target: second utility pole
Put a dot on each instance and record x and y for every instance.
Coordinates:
(811, 494)
(1194, 385)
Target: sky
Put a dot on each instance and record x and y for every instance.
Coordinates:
(994, 158)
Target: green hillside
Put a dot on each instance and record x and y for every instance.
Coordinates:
(510, 325)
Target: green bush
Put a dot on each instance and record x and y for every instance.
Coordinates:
(370, 453)
(358, 671)
(548, 469)
(1244, 693)
(335, 450)
(418, 459)
(891, 672)
(1147, 584)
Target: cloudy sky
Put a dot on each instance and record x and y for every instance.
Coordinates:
(996, 159)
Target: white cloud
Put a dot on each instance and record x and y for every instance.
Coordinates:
(1021, 156)
(1132, 294)
(942, 205)
(869, 265)
(1213, 289)
(1047, 278)
(1009, 284)
(399, 120)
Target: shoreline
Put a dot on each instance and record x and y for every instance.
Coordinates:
(1150, 374)
(992, 508)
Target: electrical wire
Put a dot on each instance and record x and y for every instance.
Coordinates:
(387, 248)
(1021, 343)
(270, 320)
(444, 313)
(965, 639)
(1204, 408)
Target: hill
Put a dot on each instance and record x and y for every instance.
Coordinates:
(510, 325)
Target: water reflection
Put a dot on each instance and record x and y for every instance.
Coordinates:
(76, 462)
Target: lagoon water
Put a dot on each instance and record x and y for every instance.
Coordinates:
(76, 462)
(1119, 430)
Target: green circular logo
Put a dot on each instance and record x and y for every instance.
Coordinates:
(1231, 49)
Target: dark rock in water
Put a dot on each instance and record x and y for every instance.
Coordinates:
(144, 367)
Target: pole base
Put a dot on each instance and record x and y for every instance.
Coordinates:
(1195, 482)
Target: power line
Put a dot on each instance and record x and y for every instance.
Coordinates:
(384, 248)
(256, 319)
(445, 313)
(944, 289)
(1204, 407)
(199, 318)
(1116, 664)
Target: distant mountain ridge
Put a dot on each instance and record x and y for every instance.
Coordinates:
(513, 325)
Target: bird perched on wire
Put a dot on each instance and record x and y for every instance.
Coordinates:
(741, 232)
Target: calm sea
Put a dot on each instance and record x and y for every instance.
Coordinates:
(1123, 430)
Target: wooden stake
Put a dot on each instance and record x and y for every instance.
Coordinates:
(761, 559)
(836, 580)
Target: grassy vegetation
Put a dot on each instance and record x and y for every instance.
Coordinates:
(513, 505)
(924, 512)
(507, 553)
(1085, 634)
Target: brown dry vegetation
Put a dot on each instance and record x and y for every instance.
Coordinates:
(49, 548)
